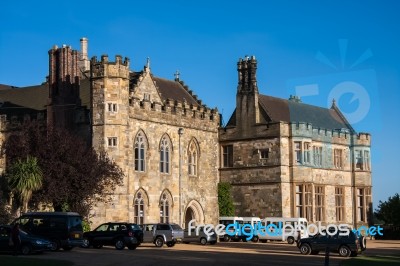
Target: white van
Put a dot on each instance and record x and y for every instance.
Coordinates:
(252, 221)
(275, 227)
(226, 220)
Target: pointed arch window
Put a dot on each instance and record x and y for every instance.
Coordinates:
(140, 152)
(192, 159)
(164, 208)
(165, 155)
(139, 211)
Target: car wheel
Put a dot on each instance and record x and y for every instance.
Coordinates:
(363, 243)
(344, 251)
(86, 243)
(227, 238)
(159, 242)
(255, 239)
(26, 249)
(305, 249)
(170, 244)
(203, 241)
(119, 244)
(55, 245)
(132, 247)
(290, 240)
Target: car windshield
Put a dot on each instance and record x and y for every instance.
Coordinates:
(75, 223)
(135, 227)
(176, 227)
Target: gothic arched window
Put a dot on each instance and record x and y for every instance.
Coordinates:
(140, 152)
(165, 155)
(164, 208)
(139, 211)
(192, 159)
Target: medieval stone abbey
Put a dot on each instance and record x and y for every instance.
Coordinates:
(282, 157)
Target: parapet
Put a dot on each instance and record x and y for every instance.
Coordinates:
(169, 107)
(307, 130)
(105, 68)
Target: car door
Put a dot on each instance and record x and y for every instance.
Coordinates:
(5, 233)
(99, 235)
(320, 242)
(148, 233)
(192, 237)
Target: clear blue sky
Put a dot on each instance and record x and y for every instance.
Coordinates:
(301, 46)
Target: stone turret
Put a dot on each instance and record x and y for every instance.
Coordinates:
(109, 99)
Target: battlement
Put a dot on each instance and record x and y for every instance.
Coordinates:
(106, 68)
(307, 130)
(176, 108)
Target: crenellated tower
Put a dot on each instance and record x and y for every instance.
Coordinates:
(109, 101)
(247, 110)
(63, 87)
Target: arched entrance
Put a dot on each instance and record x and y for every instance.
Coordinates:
(194, 211)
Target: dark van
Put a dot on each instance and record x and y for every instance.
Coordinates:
(63, 229)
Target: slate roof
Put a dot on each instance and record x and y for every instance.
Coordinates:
(173, 90)
(168, 89)
(276, 109)
(32, 97)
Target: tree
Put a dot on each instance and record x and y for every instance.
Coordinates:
(75, 176)
(24, 177)
(225, 201)
(389, 211)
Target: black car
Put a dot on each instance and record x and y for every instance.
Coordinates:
(118, 234)
(63, 229)
(345, 245)
(29, 243)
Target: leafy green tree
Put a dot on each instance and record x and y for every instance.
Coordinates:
(25, 177)
(389, 211)
(225, 201)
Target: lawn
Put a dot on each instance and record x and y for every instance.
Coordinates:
(23, 261)
(372, 261)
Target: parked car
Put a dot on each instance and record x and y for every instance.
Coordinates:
(345, 245)
(29, 243)
(63, 229)
(119, 235)
(161, 233)
(199, 236)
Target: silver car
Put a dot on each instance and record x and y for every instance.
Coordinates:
(162, 233)
(199, 236)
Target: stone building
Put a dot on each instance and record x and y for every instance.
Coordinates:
(287, 158)
(157, 130)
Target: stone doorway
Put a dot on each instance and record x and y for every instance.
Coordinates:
(194, 211)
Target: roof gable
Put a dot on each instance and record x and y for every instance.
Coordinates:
(145, 88)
